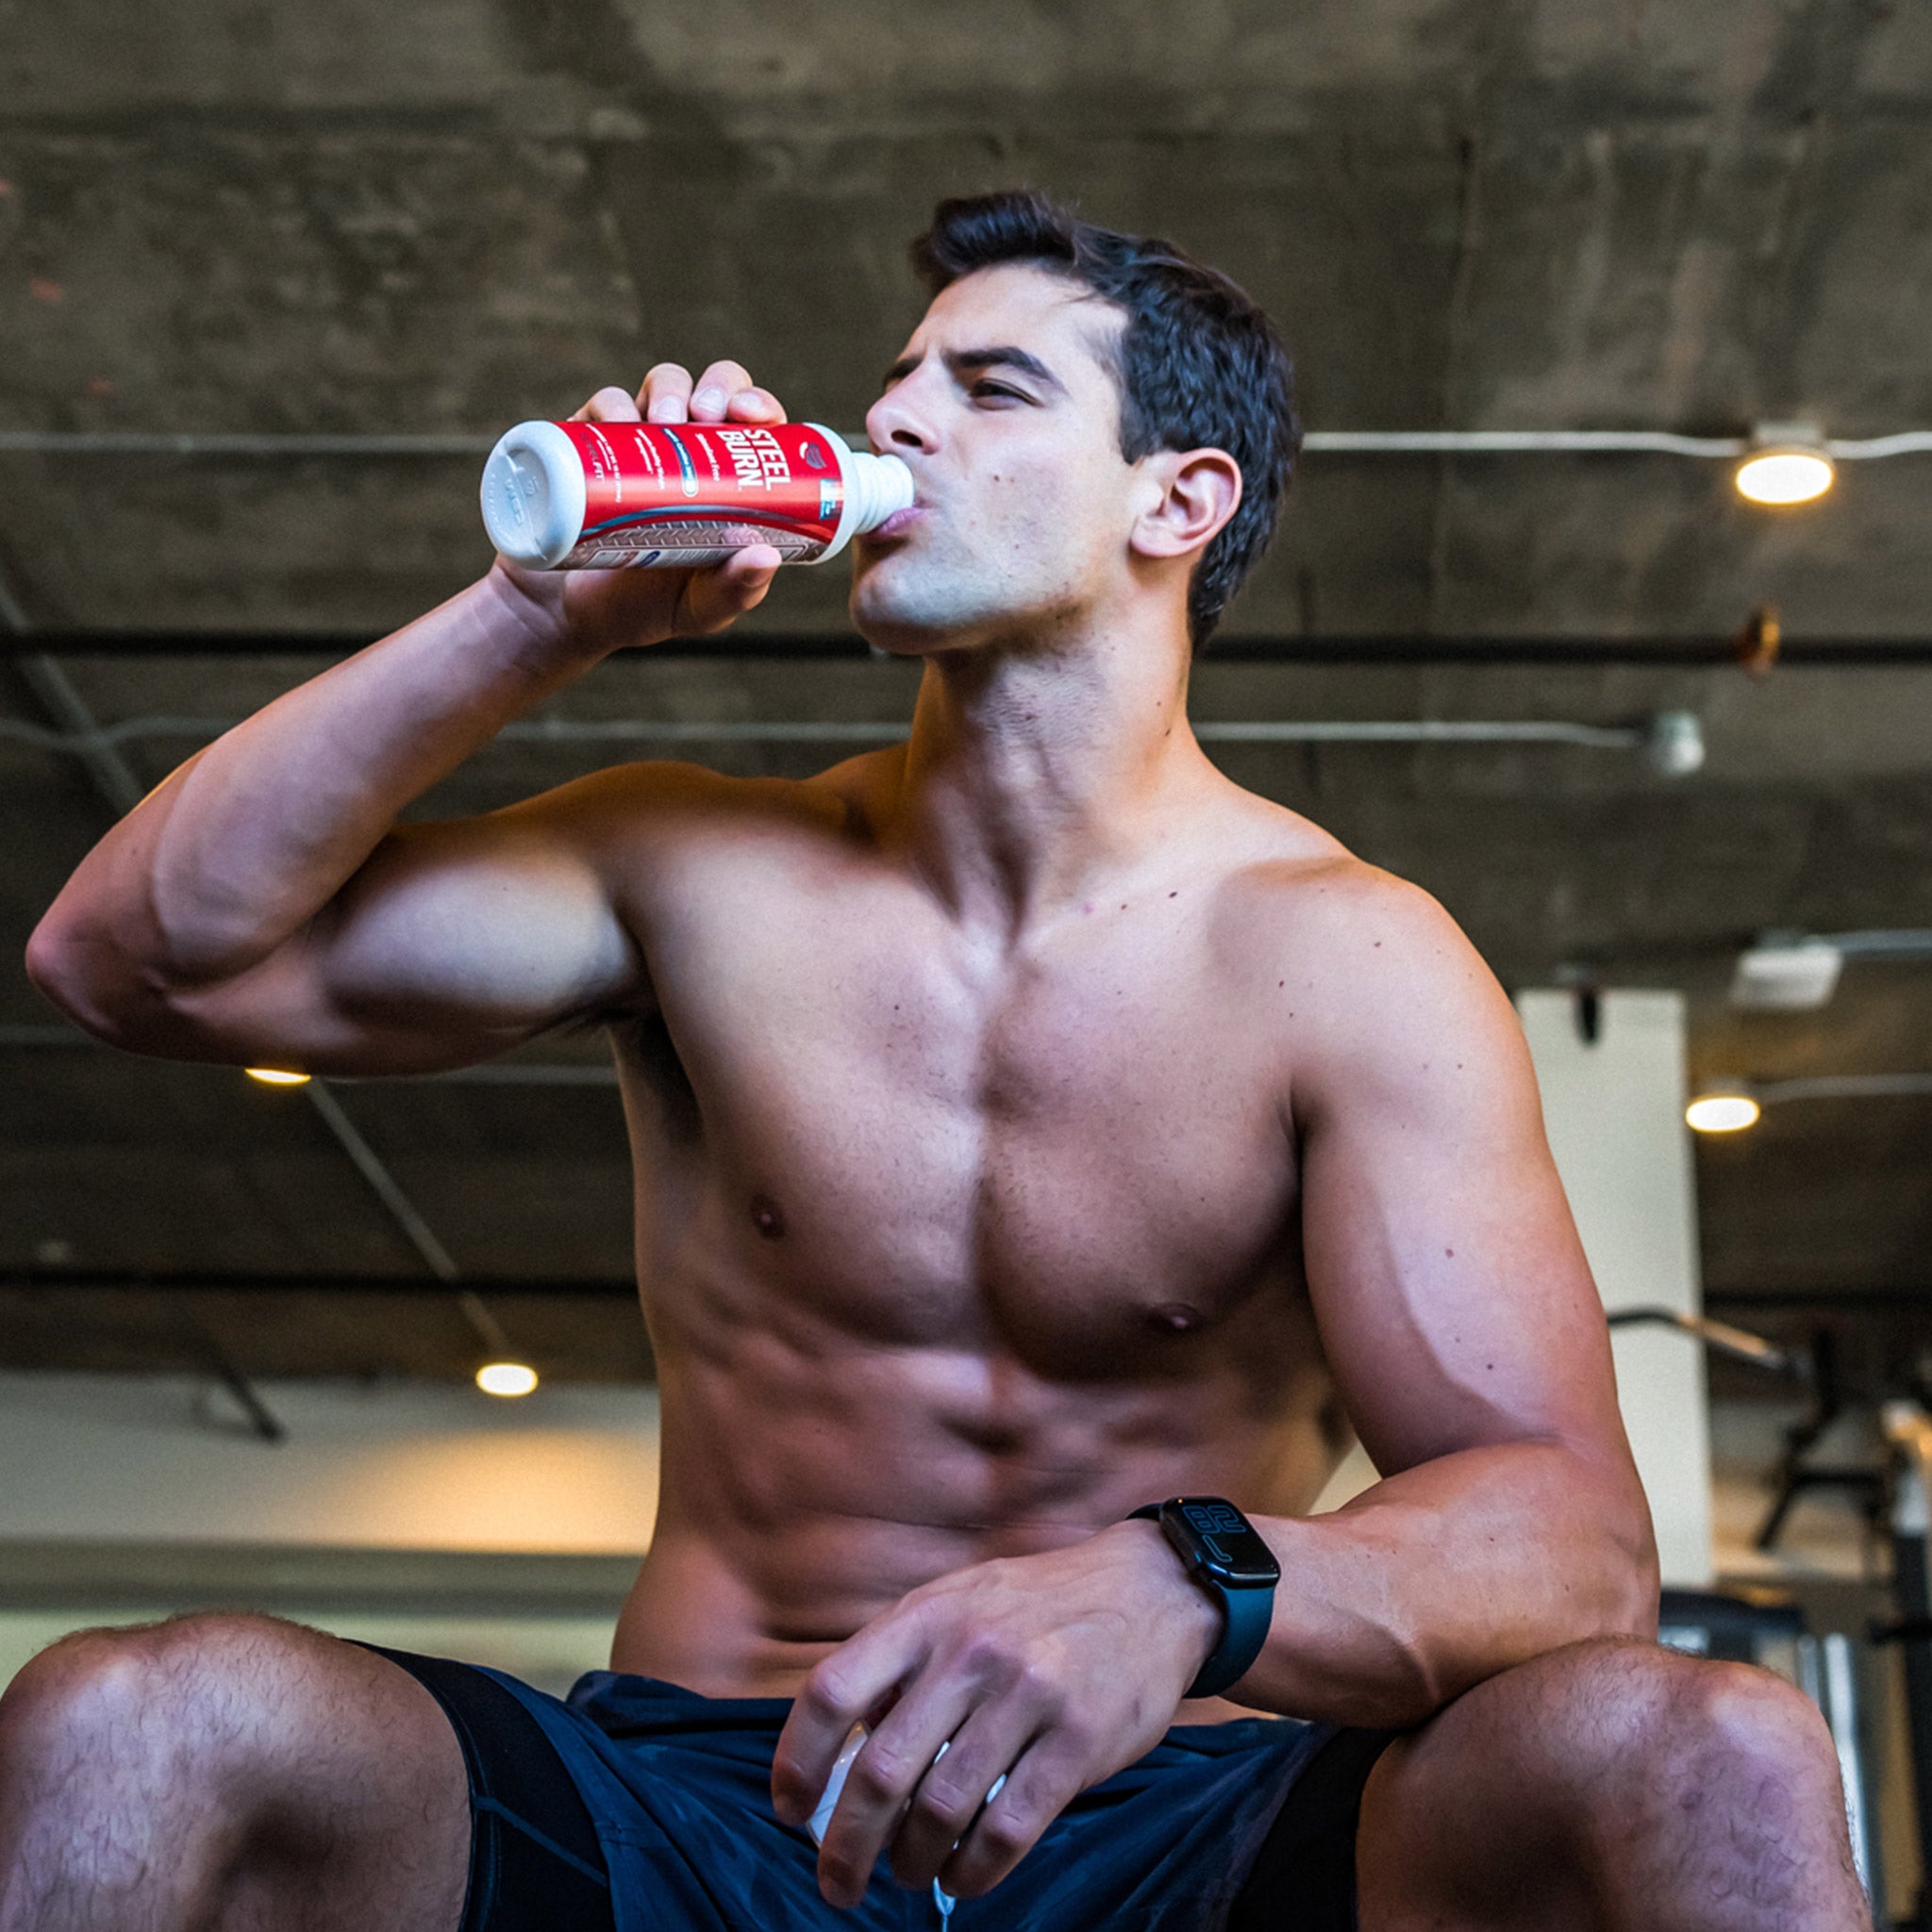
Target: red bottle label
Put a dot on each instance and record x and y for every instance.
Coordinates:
(694, 492)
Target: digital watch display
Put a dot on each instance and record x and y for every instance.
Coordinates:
(1226, 1555)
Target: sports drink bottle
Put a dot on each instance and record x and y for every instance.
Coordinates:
(610, 496)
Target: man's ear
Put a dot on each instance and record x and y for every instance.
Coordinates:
(1200, 488)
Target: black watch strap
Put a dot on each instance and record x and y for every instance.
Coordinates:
(1224, 1555)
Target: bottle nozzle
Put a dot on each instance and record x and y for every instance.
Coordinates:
(883, 485)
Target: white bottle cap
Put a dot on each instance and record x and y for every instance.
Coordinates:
(533, 495)
(875, 488)
(884, 484)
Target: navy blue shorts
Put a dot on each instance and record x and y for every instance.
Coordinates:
(635, 1805)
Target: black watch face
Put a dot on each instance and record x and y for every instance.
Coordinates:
(1230, 1551)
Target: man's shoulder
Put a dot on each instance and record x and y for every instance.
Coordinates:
(660, 799)
(1367, 967)
(1298, 887)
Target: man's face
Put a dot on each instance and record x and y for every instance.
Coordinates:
(1006, 410)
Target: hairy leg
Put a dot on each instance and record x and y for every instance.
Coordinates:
(226, 1773)
(1612, 1787)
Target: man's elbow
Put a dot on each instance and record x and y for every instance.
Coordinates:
(90, 980)
(1628, 1578)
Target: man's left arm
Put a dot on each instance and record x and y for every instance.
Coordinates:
(1467, 1339)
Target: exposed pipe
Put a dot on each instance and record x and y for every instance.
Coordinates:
(195, 442)
(1904, 943)
(198, 442)
(1672, 741)
(1839, 1087)
(1580, 442)
(262, 1421)
(383, 1184)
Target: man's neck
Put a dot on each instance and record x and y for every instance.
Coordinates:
(1036, 772)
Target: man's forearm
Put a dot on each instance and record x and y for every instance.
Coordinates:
(1446, 1574)
(253, 836)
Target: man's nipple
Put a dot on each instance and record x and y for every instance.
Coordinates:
(1174, 1318)
(767, 1217)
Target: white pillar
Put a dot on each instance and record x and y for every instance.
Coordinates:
(1614, 1109)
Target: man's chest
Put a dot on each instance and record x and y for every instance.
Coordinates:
(1092, 1123)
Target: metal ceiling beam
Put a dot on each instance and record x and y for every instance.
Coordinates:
(1659, 652)
(253, 1281)
(621, 1287)
(36, 1035)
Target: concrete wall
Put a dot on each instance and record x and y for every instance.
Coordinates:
(403, 1514)
(1614, 1109)
(398, 1466)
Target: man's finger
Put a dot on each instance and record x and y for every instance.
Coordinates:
(756, 405)
(1040, 1787)
(721, 594)
(609, 405)
(881, 1784)
(711, 396)
(956, 1787)
(664, 395)
(840, 1692)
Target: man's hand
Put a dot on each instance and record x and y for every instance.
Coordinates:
(1055, 1670)
(602, 611)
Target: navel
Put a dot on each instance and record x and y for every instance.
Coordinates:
(767, 1217)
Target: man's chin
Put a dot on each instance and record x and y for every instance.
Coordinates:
(908, 625)
(902, 640)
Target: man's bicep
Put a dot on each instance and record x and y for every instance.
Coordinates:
(1451, 1291)
(452, 942)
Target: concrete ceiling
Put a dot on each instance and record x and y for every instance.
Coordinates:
(220, 215)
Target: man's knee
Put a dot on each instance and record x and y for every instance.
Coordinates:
(182, 1699)
(1630, 1729)
(1744, 1730)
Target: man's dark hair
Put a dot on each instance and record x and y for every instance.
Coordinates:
(1198, 363)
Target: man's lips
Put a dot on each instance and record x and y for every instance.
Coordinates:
(901, 523)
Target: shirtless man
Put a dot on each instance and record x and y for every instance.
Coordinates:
(1029, 1125)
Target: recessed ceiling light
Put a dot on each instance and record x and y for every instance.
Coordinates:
(1788, 463)
(506, 1379)
(1721, 1110)
(277, 1077)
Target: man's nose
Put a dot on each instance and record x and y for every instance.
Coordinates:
(896, 423)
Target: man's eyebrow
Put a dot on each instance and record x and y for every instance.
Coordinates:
(962, 361)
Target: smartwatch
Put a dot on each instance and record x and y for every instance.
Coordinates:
(1224, 1553)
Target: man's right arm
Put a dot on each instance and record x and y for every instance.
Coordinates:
(262, 904)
